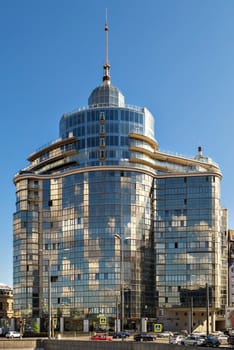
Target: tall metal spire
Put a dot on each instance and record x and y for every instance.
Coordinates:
(106, 76)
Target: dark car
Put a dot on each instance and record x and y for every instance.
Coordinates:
(231, 340)
(143, 337)
(121, 335)
(211, 341)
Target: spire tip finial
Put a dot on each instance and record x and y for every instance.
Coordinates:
(106, 77)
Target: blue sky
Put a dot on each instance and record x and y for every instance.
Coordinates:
(175, 57)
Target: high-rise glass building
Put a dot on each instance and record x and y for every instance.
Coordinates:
(107, 224)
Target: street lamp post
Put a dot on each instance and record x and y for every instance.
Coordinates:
(49, 292)
(207, 309)
(49, 299)
(121, 280)
(191, 314)
(117, 314)
(50, 279)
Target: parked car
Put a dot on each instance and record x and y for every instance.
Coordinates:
(190, 340)
(13, 334)
(144, 337)
(165, 334)
(223, 338)
(121, 335)
(211, 341)
(176, 339)
(231, 340)
(3, 331)
(101, 337)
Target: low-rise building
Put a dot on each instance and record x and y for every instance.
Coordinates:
(6, 301)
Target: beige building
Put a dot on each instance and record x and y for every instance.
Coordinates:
(6, 301)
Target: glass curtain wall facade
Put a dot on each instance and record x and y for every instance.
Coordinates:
(80, 216)
(106, 224)
(84, 211)
(191, 243)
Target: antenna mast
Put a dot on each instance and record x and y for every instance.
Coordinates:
(106, 77)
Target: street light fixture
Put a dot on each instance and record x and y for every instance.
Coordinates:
(121, 280)
(50, 279)
(121, 277)
(41, 253)
(191, 314)
(207, 309)
(49, 299)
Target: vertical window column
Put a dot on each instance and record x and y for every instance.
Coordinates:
(102, 136)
